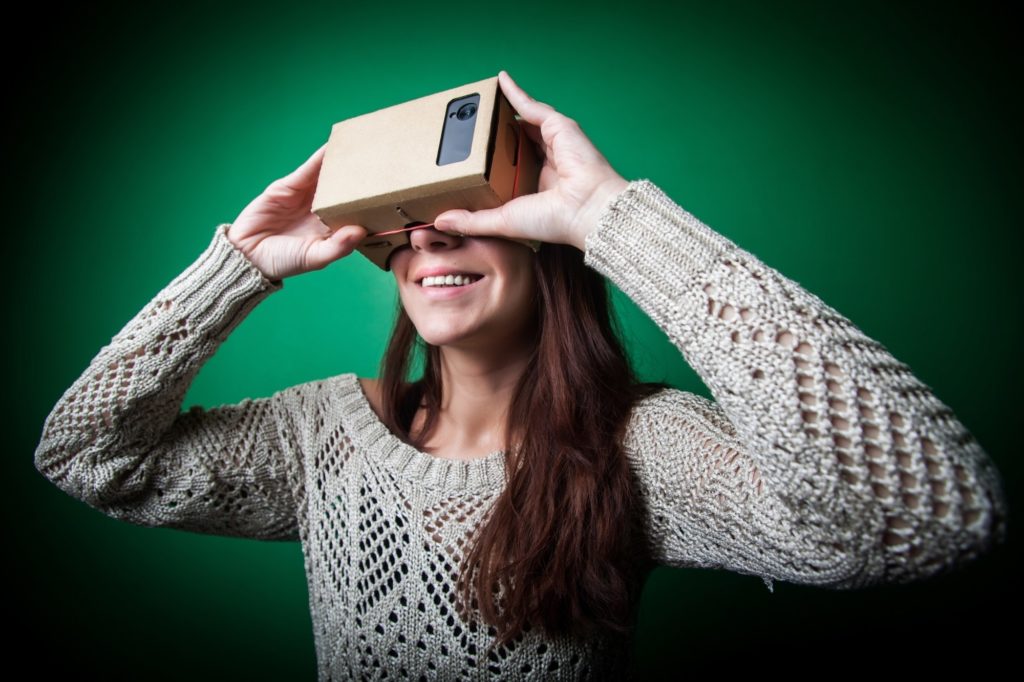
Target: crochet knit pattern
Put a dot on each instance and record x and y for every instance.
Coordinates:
(822, 461)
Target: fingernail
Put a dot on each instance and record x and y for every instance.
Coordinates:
(447, 224)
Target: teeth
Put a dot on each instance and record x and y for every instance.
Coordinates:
(449, 280)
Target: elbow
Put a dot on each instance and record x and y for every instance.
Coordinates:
(871, 542)
(59, 449)
(61, 466)
(962, 528)
(94, 474)
(939, 526)
(53, 459)
(998, 513)
(933, 548)
(985, 521)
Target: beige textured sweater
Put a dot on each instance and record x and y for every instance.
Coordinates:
(823, 460)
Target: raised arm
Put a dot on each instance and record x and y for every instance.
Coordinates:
(823, 459)
(117, 439)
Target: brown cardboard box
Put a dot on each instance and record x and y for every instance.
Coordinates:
(381, 170)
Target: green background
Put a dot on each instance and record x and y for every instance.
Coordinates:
(870, 152)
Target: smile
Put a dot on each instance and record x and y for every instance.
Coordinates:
(449, 280)
(448, 286)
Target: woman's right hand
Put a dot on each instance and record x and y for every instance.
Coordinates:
(281, 235)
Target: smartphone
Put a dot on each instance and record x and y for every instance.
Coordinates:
(457, 133)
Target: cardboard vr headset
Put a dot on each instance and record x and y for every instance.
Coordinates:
(396, 169)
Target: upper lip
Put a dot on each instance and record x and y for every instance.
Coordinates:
(440, 270)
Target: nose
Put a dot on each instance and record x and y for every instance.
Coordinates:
(428, 239)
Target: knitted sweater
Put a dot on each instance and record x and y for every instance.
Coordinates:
(822, 461)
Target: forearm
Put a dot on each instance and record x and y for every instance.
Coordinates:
(95, 437)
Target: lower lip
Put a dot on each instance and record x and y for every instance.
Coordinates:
(445, 293)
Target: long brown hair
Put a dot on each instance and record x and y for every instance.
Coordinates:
(561, 545)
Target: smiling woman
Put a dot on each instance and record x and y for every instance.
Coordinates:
(491, 312)
(480, 334)
(497, 516)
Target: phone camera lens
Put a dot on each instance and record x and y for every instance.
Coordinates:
(466, 111)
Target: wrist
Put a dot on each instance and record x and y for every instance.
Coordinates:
(591, 212)
(227, 227)
(232, 236)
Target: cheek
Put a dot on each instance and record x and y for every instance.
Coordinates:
(400, 271)
(407, 303)
(398, 261)
(519, 293)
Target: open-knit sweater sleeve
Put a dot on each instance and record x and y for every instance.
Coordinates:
(822, 460)
(118, 440)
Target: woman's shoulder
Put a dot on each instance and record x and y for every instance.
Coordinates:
(347, 385)
(669, 408)
(351, 384)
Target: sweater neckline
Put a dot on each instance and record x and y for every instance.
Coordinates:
(480, 474)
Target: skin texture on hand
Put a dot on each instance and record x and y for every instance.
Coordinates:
(576, 183)
(281, 235)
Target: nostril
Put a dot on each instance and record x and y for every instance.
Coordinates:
(430, 239)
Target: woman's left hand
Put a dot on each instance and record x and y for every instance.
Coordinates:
(576, 183)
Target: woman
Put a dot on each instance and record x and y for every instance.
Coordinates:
(498, 516)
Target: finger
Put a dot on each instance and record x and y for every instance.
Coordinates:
(488, 222)
(341, 243)
(349, 233)
(530, 109)
(532, 132)
(507, 221)
(308, 172)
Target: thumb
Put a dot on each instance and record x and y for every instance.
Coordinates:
(339, 244)
(483, 223)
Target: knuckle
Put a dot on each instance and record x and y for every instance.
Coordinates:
(275, 187)
(567, 122)
(557, 123)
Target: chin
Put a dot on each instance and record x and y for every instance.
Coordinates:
(438, 335)
(464, 328)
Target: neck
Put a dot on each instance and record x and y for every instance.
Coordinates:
(477, 390)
